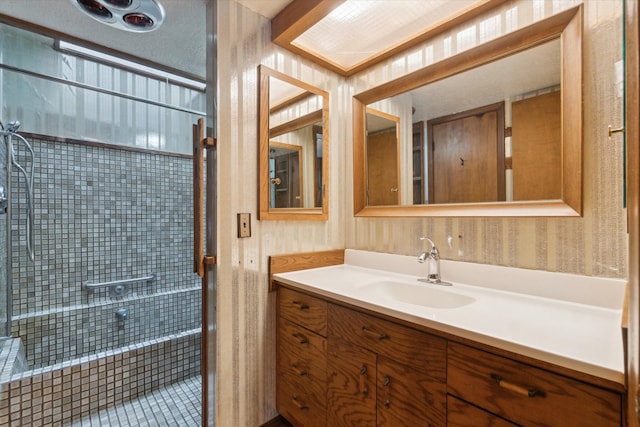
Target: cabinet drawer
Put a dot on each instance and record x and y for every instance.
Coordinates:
(303, 309)
(418, 350)
(298, 405)
(461, 414)
(301, 354)
(527, 395)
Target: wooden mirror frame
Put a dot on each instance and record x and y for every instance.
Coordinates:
(265, 212)
(566, 25)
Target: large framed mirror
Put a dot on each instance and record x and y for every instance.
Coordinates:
(294, 147)
(493, 131)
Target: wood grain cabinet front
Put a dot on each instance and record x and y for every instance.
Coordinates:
(351, 385)
(462, 414)
(338, 366)
(405, 345)
(304, 310)
(301, 359)
(382, 373)
(527, 395)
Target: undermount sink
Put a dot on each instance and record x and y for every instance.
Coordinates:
(418, 294)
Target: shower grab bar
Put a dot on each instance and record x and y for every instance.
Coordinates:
(99, 89)
(88, 286)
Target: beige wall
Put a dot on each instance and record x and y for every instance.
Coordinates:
(593, 245)
(246, 352)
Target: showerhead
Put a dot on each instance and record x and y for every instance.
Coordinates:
(13, 126)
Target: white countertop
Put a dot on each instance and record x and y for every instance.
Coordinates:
(568, 320)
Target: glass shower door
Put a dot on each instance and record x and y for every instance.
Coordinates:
(5, 271)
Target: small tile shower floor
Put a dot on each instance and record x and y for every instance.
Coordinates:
(176, 405)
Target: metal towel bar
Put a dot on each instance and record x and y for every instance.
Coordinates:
(117, 287)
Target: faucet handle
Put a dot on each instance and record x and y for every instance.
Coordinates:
(433, 252)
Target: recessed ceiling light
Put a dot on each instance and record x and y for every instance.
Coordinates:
(129, 15)
(120, 3)
(139, 20)
(96, 10)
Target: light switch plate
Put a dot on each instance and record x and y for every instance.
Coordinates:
(244, 225)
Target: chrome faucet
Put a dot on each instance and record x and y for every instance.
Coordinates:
(433, 264)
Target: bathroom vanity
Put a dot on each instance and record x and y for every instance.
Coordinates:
(365, 343)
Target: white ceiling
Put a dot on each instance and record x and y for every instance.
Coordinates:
(266, 8)
(530, 70)
(180, 42)
(508, 78)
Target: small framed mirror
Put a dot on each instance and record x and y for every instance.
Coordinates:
(495, 130)
(294, 147)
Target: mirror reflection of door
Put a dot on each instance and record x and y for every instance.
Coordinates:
(467, 161)
(382, 159)
(318, 185)
(417, 156)
(536, 147)
(285, 175)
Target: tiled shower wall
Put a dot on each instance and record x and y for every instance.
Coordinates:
(102, 214)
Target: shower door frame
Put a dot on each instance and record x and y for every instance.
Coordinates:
(9, 253)
(209, 335)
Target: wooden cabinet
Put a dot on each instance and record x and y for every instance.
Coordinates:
(301, 358)
(407, 396)
(527, 395)
(337, 366)
(382, 373)
(351, 385)
(462, 414)
(405, 345)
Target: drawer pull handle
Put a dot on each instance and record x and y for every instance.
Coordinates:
(301, 372)
(363, 386)
(301, 338)
(385, 384)
(380, 336)
(299, 405)
(301, 306)
(525, 391)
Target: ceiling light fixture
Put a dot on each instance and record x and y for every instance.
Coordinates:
(129, 15)
(340, 35)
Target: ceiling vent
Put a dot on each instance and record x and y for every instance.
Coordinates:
(130, 15)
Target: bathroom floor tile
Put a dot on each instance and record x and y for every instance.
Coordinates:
(176, 405)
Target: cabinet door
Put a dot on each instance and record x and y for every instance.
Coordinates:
(408, 397)
(351, 385)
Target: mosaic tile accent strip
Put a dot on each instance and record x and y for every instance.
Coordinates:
(54, 396)
(12, 359)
